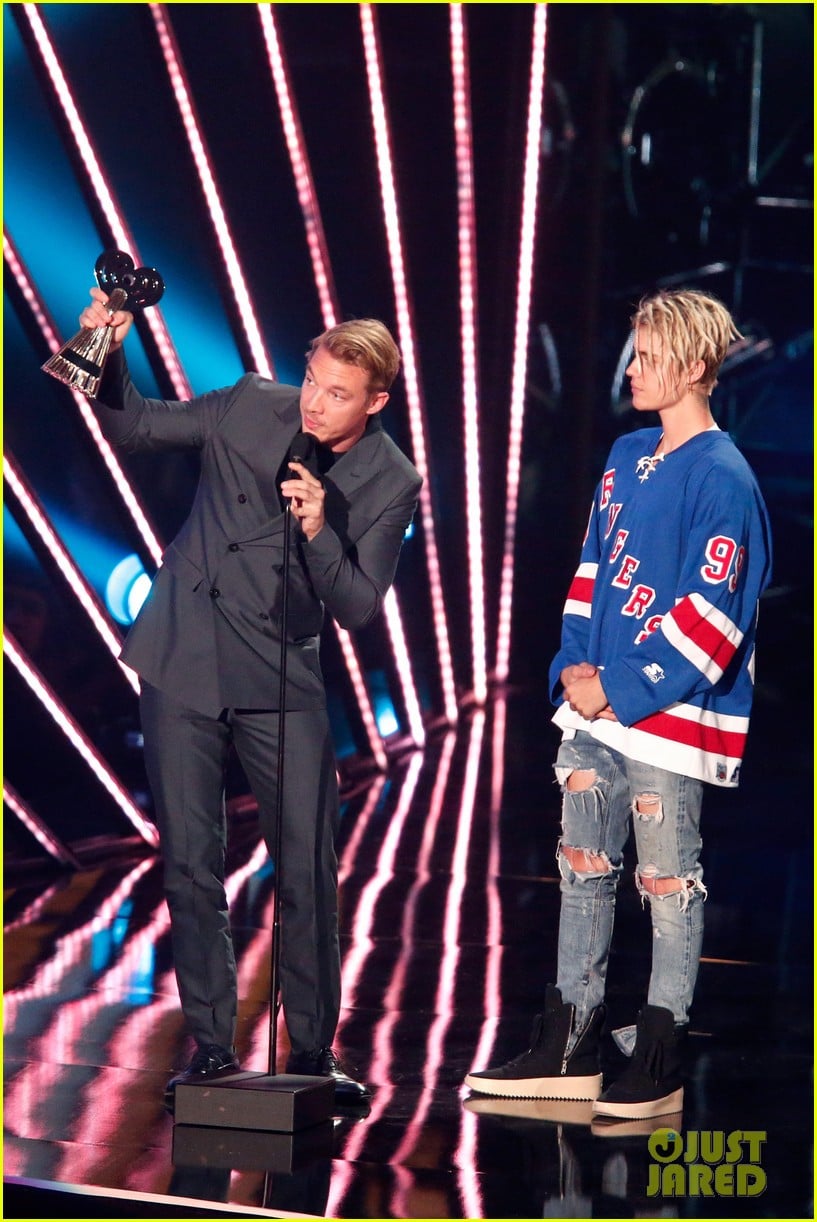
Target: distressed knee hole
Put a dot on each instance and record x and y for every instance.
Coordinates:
(581, 779)
(648, 806)
(650, 882)
(585, 861)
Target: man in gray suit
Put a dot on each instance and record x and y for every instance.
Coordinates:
(206, 646)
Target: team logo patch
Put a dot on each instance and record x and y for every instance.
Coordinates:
(720, 772)
(653, 672)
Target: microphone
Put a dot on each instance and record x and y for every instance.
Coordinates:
(304, 451)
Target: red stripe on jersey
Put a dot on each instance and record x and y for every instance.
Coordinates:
(703, 633)
(581, 589)
(712, 739)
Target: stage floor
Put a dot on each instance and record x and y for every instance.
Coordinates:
(449, 903)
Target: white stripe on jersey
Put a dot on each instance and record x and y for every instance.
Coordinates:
(573, 607)
(715, 620)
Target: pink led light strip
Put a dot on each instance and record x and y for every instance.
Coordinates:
(302, 173)
(325, 285)
(468, 296)
(523, 299)
(86, 597)
(79, 740)
(201, 156)
(113, 214)
(39, 830)
(466, 1156)
(391, 610)
(405, 327)
(129, 498)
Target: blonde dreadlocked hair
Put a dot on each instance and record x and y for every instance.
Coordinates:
(692, 326)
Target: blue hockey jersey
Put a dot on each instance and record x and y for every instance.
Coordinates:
(664, 602)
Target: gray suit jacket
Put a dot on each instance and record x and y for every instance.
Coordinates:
(208, 632)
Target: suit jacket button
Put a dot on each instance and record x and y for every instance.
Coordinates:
(263, 615)
(234, 547)
(242, 500)
(214, 593)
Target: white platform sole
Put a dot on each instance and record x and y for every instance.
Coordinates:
(581, 1088)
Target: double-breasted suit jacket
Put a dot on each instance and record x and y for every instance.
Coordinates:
(209, 629)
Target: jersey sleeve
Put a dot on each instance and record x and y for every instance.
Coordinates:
(702, 639)
(578, 606)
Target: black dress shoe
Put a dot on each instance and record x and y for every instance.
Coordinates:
(325, 1064)
(211, 1060)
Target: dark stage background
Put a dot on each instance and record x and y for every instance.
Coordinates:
(675, 148)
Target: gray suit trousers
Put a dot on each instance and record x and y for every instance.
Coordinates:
(186, 757)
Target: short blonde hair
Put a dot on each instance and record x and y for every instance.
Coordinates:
(365, 342)
(692, 326)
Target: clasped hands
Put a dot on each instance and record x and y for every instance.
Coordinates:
(584, 693)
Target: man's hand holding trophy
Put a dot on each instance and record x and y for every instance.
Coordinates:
(122, 289)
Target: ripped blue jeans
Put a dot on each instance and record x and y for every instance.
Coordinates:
(596, 810)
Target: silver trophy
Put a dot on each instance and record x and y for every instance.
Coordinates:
(81, 361)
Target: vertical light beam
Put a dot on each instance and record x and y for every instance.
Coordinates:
(527, 235)
(467, 241)
(391, 610)
(301, 169)
(203, 162)
(405, 328)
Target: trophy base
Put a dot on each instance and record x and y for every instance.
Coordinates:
(76, 372)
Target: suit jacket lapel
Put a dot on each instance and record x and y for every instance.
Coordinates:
(276, 436)
(355, 466)
(348, 507)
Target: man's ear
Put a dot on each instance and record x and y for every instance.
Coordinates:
(378, 402)
(695, 372)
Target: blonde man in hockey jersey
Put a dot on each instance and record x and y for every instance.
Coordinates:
(653, 682)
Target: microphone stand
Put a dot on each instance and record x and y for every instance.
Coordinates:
(279, 798)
